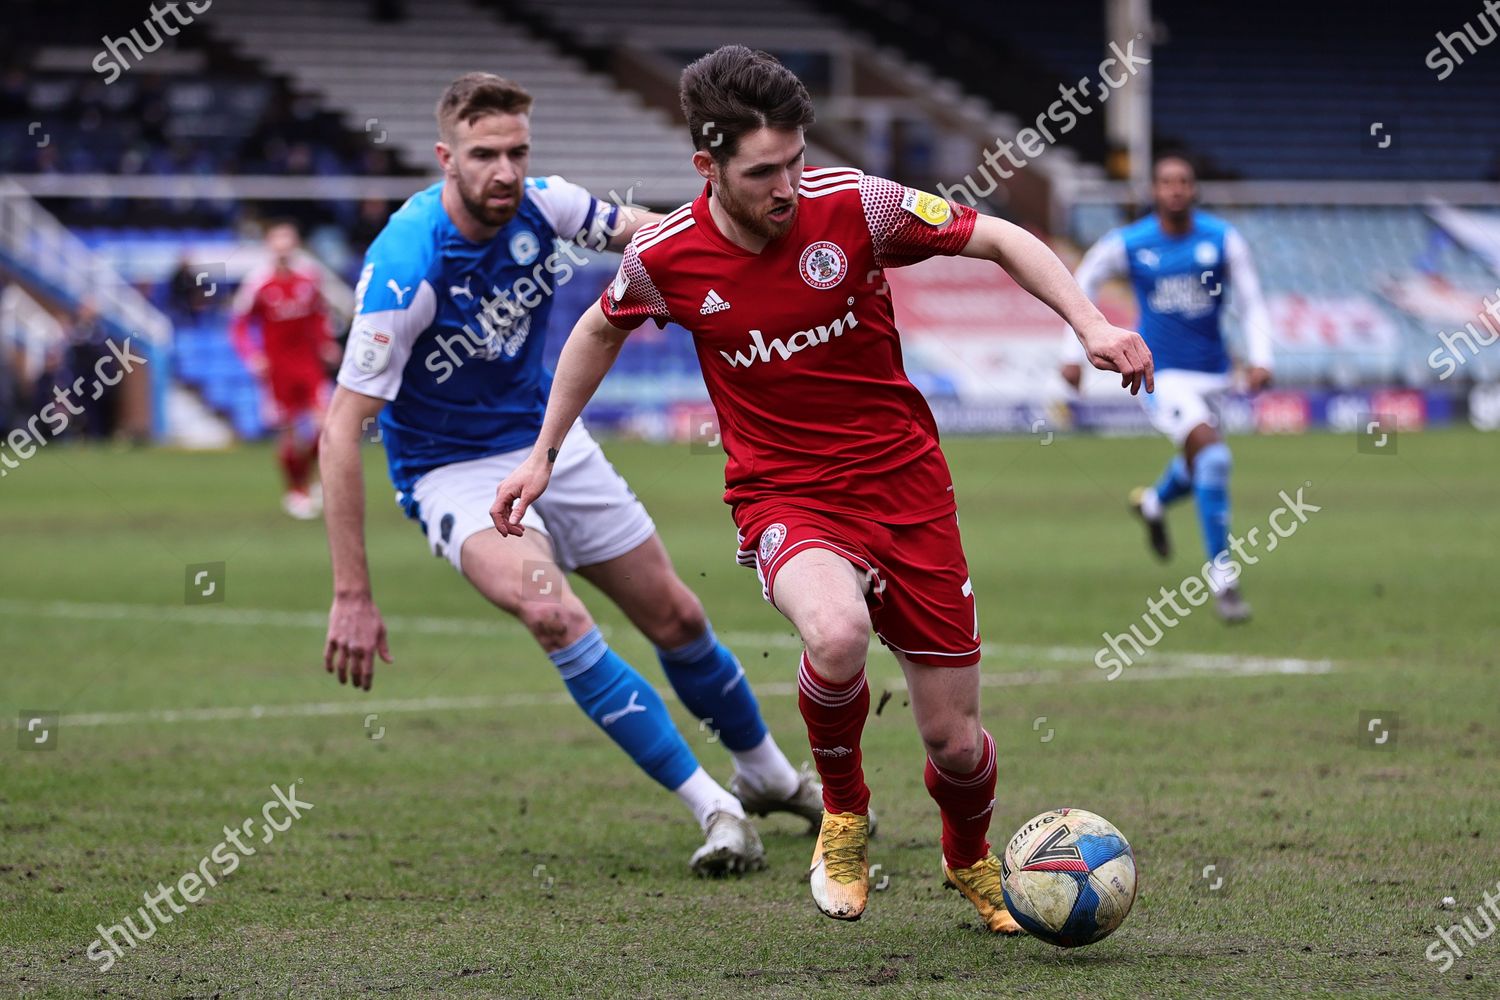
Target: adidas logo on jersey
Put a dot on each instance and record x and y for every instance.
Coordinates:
(712, 303)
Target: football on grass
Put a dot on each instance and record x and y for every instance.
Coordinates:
(1069, 877)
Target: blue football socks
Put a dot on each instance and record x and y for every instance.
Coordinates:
(712, 685)
(626, 707)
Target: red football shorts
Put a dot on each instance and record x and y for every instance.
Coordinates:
(920, 596)
(297, 389)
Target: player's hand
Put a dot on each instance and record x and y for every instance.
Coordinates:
(1258, 379)
(1072, 374)
(356, 632)
(517, 493)
(1112, 349)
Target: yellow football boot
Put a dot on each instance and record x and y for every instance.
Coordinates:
(840, 873)
(980, 885)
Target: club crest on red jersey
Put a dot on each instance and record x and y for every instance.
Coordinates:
(823, 264)
(770, 541)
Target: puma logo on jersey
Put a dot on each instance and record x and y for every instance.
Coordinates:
(397, 290)
(712, 303)
(457, 290)
(631, 706)
(760, 350)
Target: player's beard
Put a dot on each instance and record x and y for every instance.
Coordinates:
(481, 211)
(752, 220)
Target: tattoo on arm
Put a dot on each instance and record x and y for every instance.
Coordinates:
(551, 456)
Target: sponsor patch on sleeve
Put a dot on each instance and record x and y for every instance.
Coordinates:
(928, 207)
(372, 350)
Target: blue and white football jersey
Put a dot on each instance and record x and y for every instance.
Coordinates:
(464, 379)
(1181, 284)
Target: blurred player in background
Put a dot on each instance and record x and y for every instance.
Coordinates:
(284, 298)
(841, 494)
(1180, 262)
(446, 349)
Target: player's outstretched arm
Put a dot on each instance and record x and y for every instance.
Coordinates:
(587, 356)
(627, 223)
(356, 632)
(1037, 269)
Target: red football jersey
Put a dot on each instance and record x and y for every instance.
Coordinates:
(288, 306)
(798, 343)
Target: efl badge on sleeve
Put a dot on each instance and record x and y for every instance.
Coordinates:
(372, 351)
(928, 207)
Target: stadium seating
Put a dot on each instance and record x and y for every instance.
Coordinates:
(204, 359)
(691, 25)
(188, 108)
(1337, 71)
(386, 77)
(875, 107)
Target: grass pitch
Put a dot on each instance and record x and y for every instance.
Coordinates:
(490, 842)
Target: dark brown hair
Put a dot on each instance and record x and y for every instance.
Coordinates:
(1181, 157)
(733, 91)
(475, 95)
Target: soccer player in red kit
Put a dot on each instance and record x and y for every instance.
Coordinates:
(285, 300)
(841, 495)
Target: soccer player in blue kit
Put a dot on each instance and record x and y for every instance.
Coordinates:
(1181, 262)
(446, 352)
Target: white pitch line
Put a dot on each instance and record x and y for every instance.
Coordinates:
(778, 689)
(500, 625)
(233, 714)
(250, 617)
(1166, 666)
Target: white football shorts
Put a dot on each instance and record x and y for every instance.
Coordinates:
(1184, 399)
(588, 510)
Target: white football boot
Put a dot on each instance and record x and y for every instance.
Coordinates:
(731, 846)
(806, 801)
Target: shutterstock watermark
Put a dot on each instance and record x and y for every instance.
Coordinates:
(58, 414)
(107, 948)
(504, 317)
(1462, 345)
(1063, 112)
(1470, 39)
(1468, 931)
(111, 62)
(1196, 589)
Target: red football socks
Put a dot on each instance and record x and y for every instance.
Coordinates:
(835, 716)
(967, 802)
